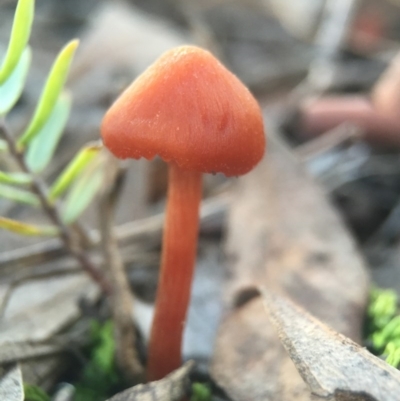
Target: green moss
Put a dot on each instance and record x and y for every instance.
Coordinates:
(99, 377)
(34, 393)
(200, 392)
(383, 325)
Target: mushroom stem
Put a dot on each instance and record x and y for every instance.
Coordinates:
(177, 267)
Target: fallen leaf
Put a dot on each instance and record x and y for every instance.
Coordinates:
(39, 309)
(11, 388)
(282, 232)
(330, 363)
(38, 325)
(172, 388)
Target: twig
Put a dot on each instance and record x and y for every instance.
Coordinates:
(65, 267)
(333, 28)
(145, 230)
(71, 342)
(21, 280)
(121, 298)
(338, 136)
(39, 188)
(337, 17)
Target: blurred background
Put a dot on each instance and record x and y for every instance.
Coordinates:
(287, 54)
(326, 73)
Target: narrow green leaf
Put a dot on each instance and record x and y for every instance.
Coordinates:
(41, 150)
(20, 33)
(26, 229)
(83, 191)
(14, 178)
(11, 89)
(51, 91)
(74, 168)
(18, 195)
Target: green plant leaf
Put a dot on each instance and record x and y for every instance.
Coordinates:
(14, 178)
(382, 307)
(35, 393)
(201, 392)
(41, 150)
(11, 89)
(51, 92)
(74, 168)
(21, 228)
(392, 353)
(18, 195)
(20, 33)
(83, 191)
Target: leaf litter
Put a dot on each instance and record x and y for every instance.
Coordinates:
(284, 234)
(298, 255)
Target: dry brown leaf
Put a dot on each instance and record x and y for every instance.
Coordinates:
(172, 388)
(284, 233)
(330, 363)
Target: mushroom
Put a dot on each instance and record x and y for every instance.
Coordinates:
(197, 116)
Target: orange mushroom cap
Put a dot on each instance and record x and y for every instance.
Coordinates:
(188, 109)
